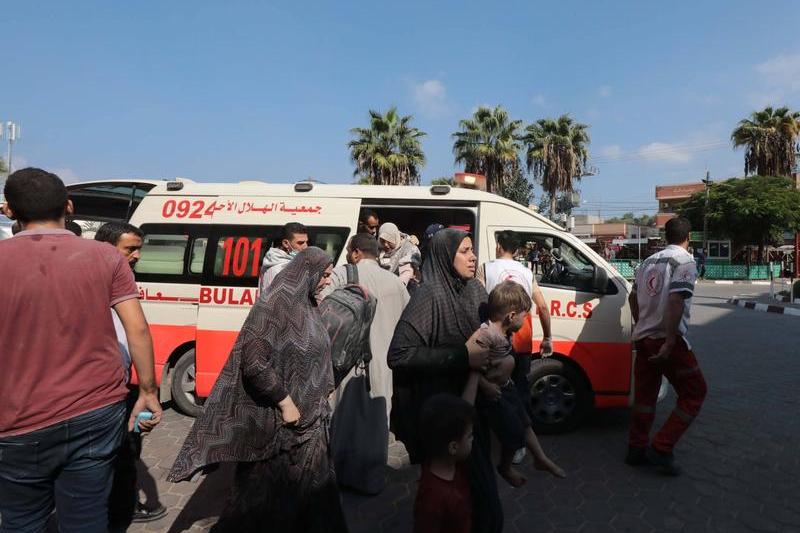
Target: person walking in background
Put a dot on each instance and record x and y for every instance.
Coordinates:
(392, 296)
(660, 303)
(292, 241)
(433, 348)
(701, 263)
(268, 412)
(124, 506)
(397, 253)
(62, 413)
(533, 258)
(368, 222)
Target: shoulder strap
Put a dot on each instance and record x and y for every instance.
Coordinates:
(352, 274)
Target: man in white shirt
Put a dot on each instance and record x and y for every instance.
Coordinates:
(293, 240)
(660, 303)
(392, 296)
(505, 268)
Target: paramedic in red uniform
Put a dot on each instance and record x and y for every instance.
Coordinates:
(660, 303)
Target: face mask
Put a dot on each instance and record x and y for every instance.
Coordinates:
(293, 253)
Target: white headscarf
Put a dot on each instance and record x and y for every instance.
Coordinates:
(404, 249)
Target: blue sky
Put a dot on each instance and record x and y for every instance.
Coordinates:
(227, 91)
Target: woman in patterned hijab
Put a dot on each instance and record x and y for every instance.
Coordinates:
(268, 412)
(432, 352)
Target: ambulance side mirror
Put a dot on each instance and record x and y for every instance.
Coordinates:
(600, 280)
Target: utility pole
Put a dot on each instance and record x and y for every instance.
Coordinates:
(639, 241)
(707, 183)
(10, 131)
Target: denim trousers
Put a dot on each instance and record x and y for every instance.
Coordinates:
(67, 466)
(124, 490)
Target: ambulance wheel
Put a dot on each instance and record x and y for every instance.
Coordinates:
(560, 396)
(183, 386)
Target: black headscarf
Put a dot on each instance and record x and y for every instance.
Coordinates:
(427, 353)
(428, 357)
(446, 308)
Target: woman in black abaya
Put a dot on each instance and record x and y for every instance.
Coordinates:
(432, 352)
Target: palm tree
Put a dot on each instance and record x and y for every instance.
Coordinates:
(389, 151)
(768, 137)
(487, 144)
(557, 151)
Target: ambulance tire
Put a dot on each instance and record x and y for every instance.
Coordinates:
(182, 386)
(560, 396)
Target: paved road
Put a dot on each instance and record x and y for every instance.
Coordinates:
(741, 461)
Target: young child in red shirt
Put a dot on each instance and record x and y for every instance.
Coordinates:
(444, 502)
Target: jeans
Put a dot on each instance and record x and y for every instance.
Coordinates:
(522, 367)
(68, 466)
(124, 490)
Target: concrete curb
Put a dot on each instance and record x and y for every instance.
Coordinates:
(767, 308)
(734, 282)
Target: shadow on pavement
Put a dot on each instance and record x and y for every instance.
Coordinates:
(205, 505)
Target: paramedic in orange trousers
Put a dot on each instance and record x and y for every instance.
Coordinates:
(660, 302)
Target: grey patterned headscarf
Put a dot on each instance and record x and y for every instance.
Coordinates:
(283, 348)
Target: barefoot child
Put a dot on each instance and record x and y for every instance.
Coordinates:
(499, 400)
(444, 502)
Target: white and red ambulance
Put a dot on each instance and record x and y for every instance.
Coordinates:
(204, 244)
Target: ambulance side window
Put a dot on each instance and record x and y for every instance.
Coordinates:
(238, 251)
(559, 263)
(198, 255)
(172, 253)
(162, 254)
(239, 256)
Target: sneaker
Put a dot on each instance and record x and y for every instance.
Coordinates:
(519, 456)
(145, 514)
(636, 456)
(664, 461)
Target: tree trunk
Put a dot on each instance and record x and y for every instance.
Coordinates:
(553, 200)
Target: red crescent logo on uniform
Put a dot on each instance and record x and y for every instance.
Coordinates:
(653, 284)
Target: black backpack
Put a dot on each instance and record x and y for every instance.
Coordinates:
(347, 313)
